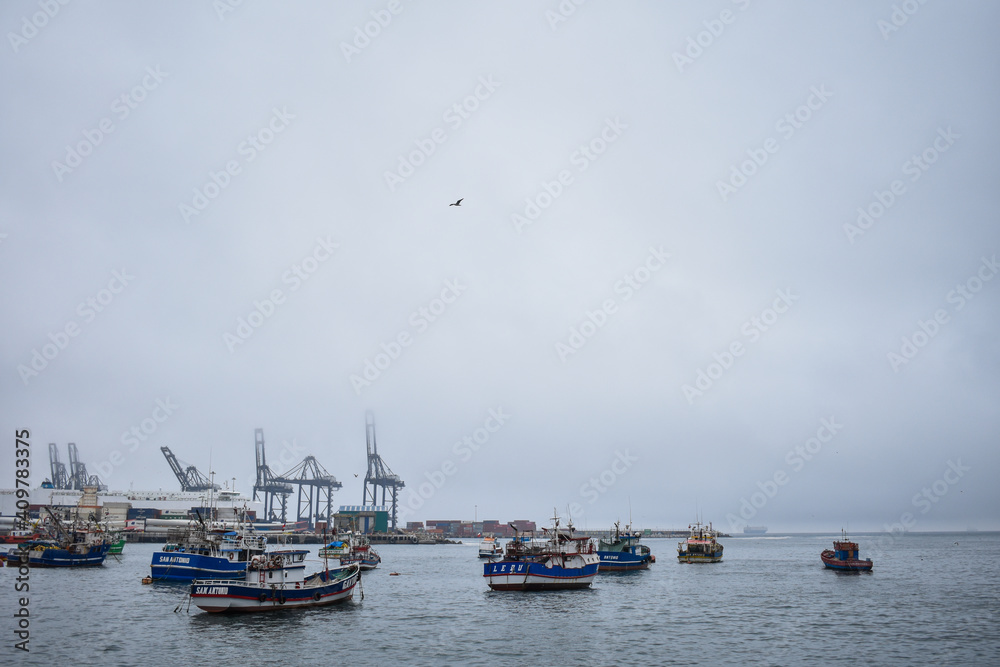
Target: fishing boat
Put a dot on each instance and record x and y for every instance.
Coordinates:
(19, 536)
(700, 546)
(335, 549)
(53, 553)
(622, 552)
(562, 561)
(70, 548)
(490, 548)
(117, 544)
(361, 553)
(844, 556)
(276, 581)
(201, 551)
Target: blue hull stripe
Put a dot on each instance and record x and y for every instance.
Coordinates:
(504, 568)
(180, 566)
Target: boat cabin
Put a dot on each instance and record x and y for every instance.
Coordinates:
(278, 567)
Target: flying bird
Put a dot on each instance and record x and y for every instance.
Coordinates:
(458, 203)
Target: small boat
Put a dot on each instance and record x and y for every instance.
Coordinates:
(844, 556)
(202, 552)
(622, 552)
(701, 545)
(19, 536)
(754, 530)
(335, 549)
(490, 548)
(563, 561)
(361, 553)
(117, 545)
(276, 581)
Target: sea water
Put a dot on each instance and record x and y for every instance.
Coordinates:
(931, 599)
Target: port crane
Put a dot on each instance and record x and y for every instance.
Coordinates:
(275, 491)
(190, 477)
(78, 477)
(60, 479)
(379, 474)
(316, 487)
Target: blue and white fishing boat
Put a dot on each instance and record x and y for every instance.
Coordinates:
(53, 553)
(490, 547)
(622, 552)
(276, 581)
(562, 561)
(201, 552)
(72, 547)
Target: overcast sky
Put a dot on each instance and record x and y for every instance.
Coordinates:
(693, 237)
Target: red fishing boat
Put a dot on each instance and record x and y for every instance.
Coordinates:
(844, 556)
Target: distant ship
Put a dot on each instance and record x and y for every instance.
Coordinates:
(754, 530)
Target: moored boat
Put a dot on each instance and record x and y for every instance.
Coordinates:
(701, 546)
(276, 581)
(335, 549)
(490, 547)
(117, 545)
(563, 561)
(361, 553)
(622, 552)
(70, 548)
(19, 536)
(201, 552)
(844, 556)
(53, 553)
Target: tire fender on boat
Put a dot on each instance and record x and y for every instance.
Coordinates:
(262, 597)
(317, 595)
(281, 598)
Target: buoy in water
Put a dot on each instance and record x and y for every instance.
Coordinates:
(394, 574)
(147, 580)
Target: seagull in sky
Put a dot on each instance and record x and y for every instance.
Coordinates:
(458, 203)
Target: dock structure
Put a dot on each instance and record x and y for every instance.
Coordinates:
(380, 475)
